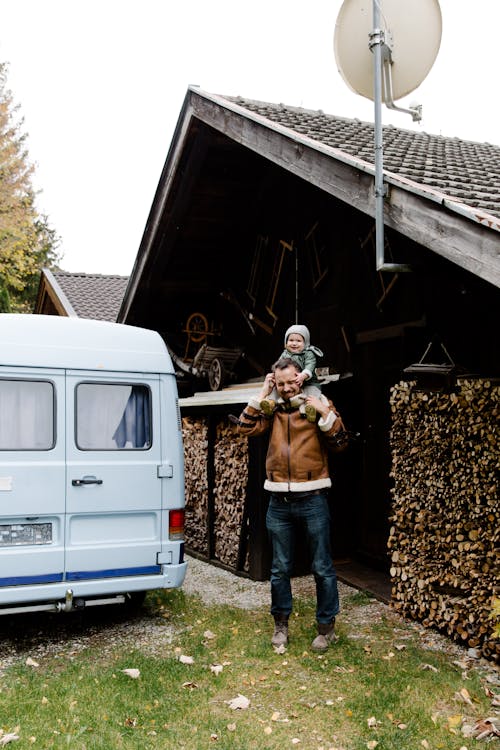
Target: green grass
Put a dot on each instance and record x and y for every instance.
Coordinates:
(298, 699)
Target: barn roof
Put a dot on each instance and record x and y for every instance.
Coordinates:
(444, 193)
(466, 171)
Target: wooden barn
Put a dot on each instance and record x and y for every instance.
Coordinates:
(264, 216)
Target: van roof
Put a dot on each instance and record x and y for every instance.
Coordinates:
(80, 344)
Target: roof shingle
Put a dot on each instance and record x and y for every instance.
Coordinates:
(93, 296)
(461, 169)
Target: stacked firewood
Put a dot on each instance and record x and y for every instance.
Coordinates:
(444, 541)
(195, 438)
(231, 477)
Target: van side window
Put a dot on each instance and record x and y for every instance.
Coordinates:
(27, 409)
(112, 416)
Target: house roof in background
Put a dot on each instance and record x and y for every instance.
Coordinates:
(466, 171)
(84, 295)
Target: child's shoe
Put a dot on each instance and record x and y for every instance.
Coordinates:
(268, 405)
(310, 413)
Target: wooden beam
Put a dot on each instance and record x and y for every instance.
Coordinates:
(418, 216)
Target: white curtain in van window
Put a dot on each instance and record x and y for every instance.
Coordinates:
(26, 415)
(99, 411)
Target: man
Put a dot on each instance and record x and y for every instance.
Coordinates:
(297, 477)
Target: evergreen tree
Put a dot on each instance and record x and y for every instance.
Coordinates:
(27, 242)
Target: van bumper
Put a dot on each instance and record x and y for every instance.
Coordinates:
(171, 576)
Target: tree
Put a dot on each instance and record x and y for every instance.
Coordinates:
(27, 242)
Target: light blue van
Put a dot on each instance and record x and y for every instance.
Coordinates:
(91, 464)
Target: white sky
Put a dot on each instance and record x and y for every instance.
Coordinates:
(101, 83)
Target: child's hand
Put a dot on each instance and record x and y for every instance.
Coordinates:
(301, 376)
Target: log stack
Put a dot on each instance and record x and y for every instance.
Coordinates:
(445, 534)
(215, 530)
(231, 478)
(195, 438)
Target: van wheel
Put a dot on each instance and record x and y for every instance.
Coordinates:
(134, 600)
(216, 374)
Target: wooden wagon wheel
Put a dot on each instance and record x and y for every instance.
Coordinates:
(197, 327)
(216, 374)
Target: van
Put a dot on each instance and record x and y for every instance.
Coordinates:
(91, 464)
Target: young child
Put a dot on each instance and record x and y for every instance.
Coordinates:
(298, 347)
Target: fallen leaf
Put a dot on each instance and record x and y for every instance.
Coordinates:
(44, 700)
(268, 730)
(430, 667)
(10, 737)
(186, 659)
(295, 741)
(486, 728)
(216, 668)
(239, 702)
(454, 722)
(371, 744)
(209, 635)
(133, 673)
(425, 744)
(346, 670)
(190, 685)
(231, 727)
(31, 662)
(400, 647)
(372, 722)
(463, 695)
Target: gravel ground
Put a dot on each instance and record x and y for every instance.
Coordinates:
(66, 635)
(215, 585)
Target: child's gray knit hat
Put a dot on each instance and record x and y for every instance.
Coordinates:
(302, 331)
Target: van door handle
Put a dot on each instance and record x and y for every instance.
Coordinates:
(85, 480)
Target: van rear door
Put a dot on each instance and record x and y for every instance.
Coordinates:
(32, 476)
(113, 523)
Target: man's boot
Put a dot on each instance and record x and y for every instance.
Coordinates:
(326, 635)
(280, 635)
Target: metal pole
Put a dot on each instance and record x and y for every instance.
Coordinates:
(296, 284)
(377, 40)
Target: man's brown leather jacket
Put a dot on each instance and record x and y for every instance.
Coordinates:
(297, 455)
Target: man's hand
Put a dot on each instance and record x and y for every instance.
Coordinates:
(269, 383)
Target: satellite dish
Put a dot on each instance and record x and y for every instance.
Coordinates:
(412, 30)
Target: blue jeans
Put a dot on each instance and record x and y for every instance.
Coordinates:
(310, 516)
